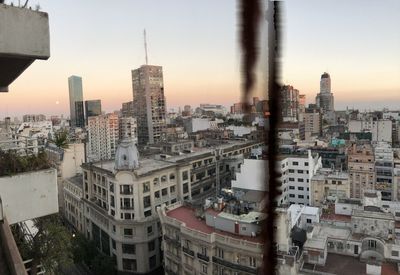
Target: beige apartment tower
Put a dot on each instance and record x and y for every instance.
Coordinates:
(361, 163)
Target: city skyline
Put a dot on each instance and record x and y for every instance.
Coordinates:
(104, 53)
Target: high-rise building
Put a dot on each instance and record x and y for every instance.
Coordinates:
(325, 100)
(92, 108)
(149, 103)
(127, 109)
(289, 103)
(128, 128)
(103, 133)
(76, 101)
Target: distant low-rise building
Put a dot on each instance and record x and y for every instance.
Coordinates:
(328, 184)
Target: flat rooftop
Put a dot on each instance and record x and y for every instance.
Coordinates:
(76, 180)
(348, 266)
(152, 163)
(187, 215)
(335, 217)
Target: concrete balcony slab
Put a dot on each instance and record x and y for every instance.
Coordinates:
(24, 37)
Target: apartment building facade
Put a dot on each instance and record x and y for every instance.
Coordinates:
(327, 184)
(297, 171)
(120, 197)
(220, 243)
(361, 168)
(384, 163)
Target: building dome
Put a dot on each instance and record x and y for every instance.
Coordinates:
(127, 155)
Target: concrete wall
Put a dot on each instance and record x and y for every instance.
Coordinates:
(24, 32)
(74, 156)
(29, 195)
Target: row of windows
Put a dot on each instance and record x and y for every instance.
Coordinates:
(299, 179)
(300, 188)
(298, 196)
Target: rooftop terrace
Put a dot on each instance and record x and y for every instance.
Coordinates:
(188, 216)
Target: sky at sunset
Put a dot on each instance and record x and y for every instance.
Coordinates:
(357, 42)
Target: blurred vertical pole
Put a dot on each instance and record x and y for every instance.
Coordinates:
(273, 20)
(250, 12)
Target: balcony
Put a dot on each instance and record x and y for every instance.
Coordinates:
(203, 257)
(234, 266)
(24, 37)
(188, 251)
(175, 242)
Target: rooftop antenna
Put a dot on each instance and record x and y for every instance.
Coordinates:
(145, 45)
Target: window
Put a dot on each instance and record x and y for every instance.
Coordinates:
(164, 192)
(111, 187)
(164, 178)
(113, 244)
(172, 189)
(295, 163)
(149, 229)
(146, 202)
(146, 187)
(300, 188)
(395, 253)
(291, 187)
(151, 246)
(300, 196)
(128, 248)
(300, 180)
(126, 189)
(305, 163)
(129, 264)
(147, 213)
(300, 171)
(204, 250)
(252, 261)
(291, 170)
(171, 176)
(157, 194)
(185, 175)
(185, 188)
(291, 179)
(155, 181)
(112, 202)
(220, 253)
(127, 216)
(309, 221)
(128, 232)
(204, 268)
(291, 195)
(152, 262)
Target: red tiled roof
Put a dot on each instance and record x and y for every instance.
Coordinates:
(187, 215)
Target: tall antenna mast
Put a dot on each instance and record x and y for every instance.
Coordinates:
(145, 45)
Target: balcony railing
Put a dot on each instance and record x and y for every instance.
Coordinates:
(188, 251)
(203, 257)
(234, 266)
